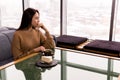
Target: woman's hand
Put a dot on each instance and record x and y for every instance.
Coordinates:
(43, 27)
(38, 49)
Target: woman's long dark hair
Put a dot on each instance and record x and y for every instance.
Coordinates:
(27, 18)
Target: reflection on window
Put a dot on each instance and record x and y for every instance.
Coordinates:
(49, 13)
(10, 13)
(89, 18)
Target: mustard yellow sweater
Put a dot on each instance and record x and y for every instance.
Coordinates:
(25, 41)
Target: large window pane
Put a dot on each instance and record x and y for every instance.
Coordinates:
(89, 18)
(87, 60)
(117, 30)
(115, 78)
(116, 67)
(10, 13)
(49, 13)
(83, 75)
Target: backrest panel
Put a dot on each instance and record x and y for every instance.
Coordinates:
(5, 48)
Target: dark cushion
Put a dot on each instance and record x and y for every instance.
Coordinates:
(99, 46)
(69, 41)
(5, 48)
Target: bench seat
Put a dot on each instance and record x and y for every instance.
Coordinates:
(104, 47)
(68, 41)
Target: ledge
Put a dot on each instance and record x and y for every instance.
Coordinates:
(88, 53)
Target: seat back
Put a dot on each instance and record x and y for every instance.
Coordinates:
(5, 46)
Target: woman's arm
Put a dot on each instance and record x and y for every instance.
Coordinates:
(49, 43)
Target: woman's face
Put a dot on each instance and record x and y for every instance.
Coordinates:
(35, 20)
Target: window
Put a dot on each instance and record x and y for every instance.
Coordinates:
(49, 13)
(117, 30)
(87, 60)
(10, 13)
(89, 18)
(80, 74)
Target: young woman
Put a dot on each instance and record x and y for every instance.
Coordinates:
(28, 38)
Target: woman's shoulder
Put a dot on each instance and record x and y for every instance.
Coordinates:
(17, 32)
